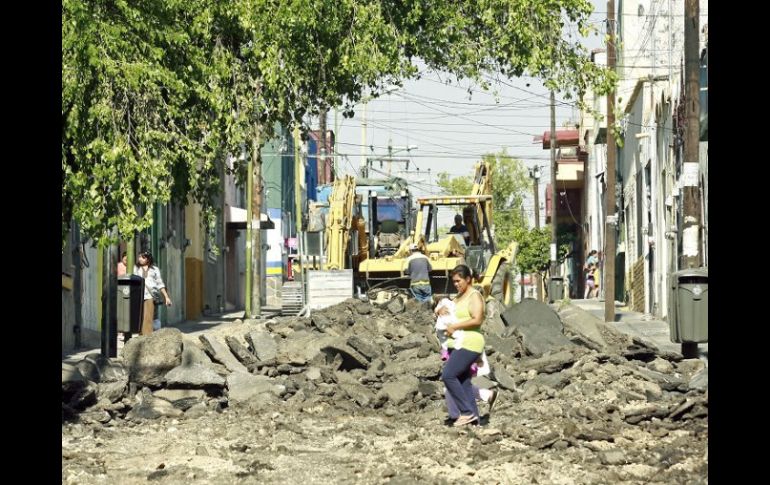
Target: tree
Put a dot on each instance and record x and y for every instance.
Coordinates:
(454, 185)
(137, 124)
(510, 183)
(534, 252)
(156, 93)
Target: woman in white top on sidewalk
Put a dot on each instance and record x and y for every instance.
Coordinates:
(154, 289)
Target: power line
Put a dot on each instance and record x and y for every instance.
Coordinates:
(465, 117)
(454, 154)
(470, 103)
(563, 103)
(431, 142)
(597, 12)
(433, 125)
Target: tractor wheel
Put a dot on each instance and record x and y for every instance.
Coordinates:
(502, 285)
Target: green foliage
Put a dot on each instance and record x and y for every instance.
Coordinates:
(534, 253)
(454, 185)
(534, 249)
(566, 235)
(136, 112)
(510, 183)
(155, 94)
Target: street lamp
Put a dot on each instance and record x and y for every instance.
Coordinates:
(534, 174)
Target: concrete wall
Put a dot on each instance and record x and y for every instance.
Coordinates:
(174, 271)
(592, 127)
(193, 262)
(92, 296)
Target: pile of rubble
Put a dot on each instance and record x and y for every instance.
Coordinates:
(354, 353)
(353, 394)
(359, 355)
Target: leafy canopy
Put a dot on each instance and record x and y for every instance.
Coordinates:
(156, 94)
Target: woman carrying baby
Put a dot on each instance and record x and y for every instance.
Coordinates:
(469, 315)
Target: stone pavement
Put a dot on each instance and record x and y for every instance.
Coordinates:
(190, 327)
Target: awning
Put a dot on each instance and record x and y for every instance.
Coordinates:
(235, 218)
(564, 138)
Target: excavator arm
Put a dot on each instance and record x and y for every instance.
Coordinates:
(340, 221)
(482, 185)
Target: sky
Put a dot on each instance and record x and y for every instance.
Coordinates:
(449, 129)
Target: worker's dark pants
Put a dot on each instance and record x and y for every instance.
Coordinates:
(421, 292)
(457, 378)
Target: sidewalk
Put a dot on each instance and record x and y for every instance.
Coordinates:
(639, 325)
(192, 328)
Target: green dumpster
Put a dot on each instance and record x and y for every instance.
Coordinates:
(688, 315)
(555, 289)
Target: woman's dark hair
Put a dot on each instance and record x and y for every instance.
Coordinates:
(463, 271)
(148, 256)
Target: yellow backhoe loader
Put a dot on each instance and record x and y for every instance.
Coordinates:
(490, 263)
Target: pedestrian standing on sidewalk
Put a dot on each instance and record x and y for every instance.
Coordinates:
(589, 271)
(154, 289)
(592, 258)
(418, 268)
(122, 268)
(590, 281)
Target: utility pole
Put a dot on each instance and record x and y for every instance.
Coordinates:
(521, 273)
(109, 334)
(362, 165)
(535, 174)
(322, 149)
(253, 232)
(554, 243)
(335, 162)
(536, 189)
(77, 282)
(299, 172)
(608, 273)
(691, 254)
(691, 243)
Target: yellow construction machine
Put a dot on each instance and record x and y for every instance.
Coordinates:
(490, 263)
(343, 223)
(367, 218)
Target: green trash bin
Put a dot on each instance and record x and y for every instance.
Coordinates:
(688, 315)
(130, 303)
(555, 289)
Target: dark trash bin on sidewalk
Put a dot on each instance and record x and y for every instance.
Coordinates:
(130, 303)
(688, 315)
(555, 289)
